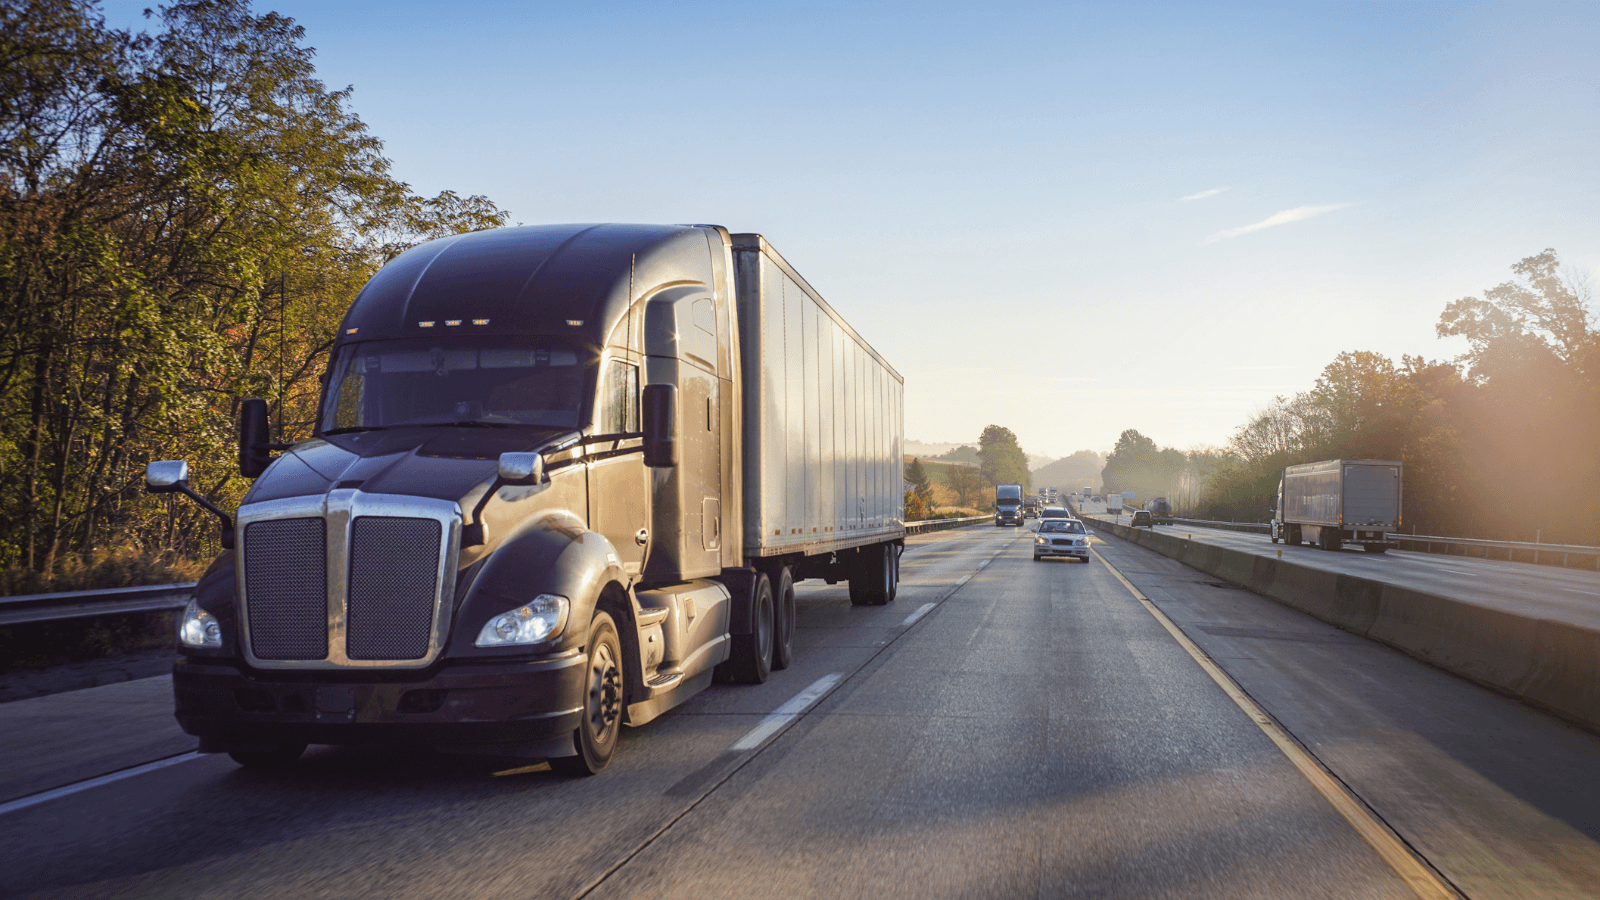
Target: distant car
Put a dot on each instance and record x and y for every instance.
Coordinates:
(1143, 517)
(1054, 512)
(1061, 537)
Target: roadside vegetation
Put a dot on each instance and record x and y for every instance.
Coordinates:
(1501, 443)
(185, 214)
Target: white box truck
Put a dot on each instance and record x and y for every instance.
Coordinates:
(1336, 501)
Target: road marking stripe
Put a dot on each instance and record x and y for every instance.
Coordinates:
(786, 713)
(1415, 871)
(921, 611)
(1576, 591)
(70, 789)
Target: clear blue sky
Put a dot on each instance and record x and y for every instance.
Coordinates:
(995, 194)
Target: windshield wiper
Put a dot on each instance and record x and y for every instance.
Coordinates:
(352, 429)
(472, 423)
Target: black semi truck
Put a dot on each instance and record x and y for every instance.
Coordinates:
(561, 478)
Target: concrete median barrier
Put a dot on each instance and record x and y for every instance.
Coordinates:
(1545, 662)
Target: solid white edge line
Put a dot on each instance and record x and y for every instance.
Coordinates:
(68, 790)
(786, 713)
(921, 611)
(1409, 865)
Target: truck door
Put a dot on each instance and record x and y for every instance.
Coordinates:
(619, 483)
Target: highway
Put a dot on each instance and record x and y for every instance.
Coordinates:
(1544, 591)
(1006, 728)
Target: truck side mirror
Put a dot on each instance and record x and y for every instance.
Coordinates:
(171, 476)
(166, 477)
(521, 468)
(660, 425)
(254, 455)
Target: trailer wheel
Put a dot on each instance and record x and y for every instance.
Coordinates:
(751, 659)
(596, 736)
(1328, 539)
(876, 576)
(1292, 535)
(783, 607)
(276, 758)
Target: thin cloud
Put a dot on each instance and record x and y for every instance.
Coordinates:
(1299, 213)
(1204, 194)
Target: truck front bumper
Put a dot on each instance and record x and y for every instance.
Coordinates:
(519, 708)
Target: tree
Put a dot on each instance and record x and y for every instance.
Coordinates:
(184, 217)
(1002, 459)
(921, 489)
(966, 482)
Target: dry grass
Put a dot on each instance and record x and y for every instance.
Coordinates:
(122, 565)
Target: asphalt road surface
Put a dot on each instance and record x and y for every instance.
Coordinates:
(1007, 728)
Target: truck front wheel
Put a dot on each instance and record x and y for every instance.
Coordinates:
(276, 758)
(596, 736)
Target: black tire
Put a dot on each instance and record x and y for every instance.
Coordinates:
(876, 578)
(1036, 557)
(1292, 538)
(277, 758)
(1327, 541)
(596, 736)
(783, 621)
(751, 659)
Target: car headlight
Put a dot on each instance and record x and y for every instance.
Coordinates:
(540, 620)
(198, 628)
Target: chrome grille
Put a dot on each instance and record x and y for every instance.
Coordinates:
(286, 588)
(394, 581)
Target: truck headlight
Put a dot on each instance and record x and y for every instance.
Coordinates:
(198, 628)
(538, 621)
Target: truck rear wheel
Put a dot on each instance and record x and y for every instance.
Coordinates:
(783, 619)
(596, 736)
(750, 661)
(876, 577)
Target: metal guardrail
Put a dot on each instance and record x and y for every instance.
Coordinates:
(1566, 550)
(30, 608)
(1538, 549)
(926, 525)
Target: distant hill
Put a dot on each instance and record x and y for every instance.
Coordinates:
(1071, 473)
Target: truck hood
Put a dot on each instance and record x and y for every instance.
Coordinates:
(442, 463)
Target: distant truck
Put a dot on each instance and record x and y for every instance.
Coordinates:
(1160, 510)
(1007, 504)
(1087, 493)
(561, 477)
(1113, 504)
(1337, 501)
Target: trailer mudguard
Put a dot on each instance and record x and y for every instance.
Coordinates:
(554, 554)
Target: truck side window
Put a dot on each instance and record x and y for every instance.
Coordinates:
(620, 404)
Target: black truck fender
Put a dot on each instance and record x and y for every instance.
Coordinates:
(217, 593)
(554, 554)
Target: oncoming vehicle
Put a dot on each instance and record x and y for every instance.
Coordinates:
(1142, 517)
(1054, 512)
(1061, 537)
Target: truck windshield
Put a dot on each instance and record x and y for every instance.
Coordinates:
(464, 381)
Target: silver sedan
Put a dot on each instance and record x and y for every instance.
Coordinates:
(1061, 537)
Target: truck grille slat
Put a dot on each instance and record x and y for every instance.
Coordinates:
(286, 583)
(394, 581)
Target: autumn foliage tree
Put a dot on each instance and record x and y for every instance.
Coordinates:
(184, 217)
